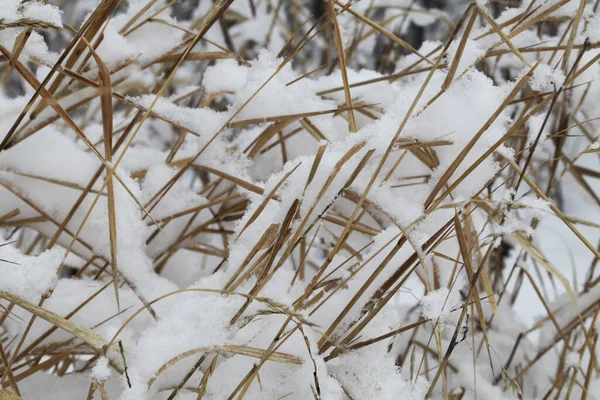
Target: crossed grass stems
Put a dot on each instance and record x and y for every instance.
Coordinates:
(484, 266)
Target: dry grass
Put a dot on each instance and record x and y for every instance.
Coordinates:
(289, 241)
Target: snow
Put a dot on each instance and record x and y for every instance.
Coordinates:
(101, 371)
(369, 374)
(46, 148)
(10, 10)
(236, 76)
(435, 307)
(292, 99)
(194, 325)
(147, 43)
(471, 53)
(28, 276)
(535, 124)
(13, 10)
(42, 385)
(546, 78)
(594, 389)
(199, 266)
(202, 121)
(572, 359)
(42, 12)
(593, 29)
(520, 214)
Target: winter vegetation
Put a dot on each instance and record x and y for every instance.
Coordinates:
(299, 199)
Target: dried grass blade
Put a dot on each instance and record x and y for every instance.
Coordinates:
(94, 339)
(343, 67)
(8, 395)
(554, 209)
(312, 129)
(501, 33)
(266, 240)
(315, 165)
(100, 15)
(459, 52)
(573, 35)
(253, 121)
(207, 374)
(7, 371)
(137, 16)
(18, 47)
(465, 250)
(267, 135)
(266, 200)
(93, 17)
(107, 127)
(383, 31)
(195, 56)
